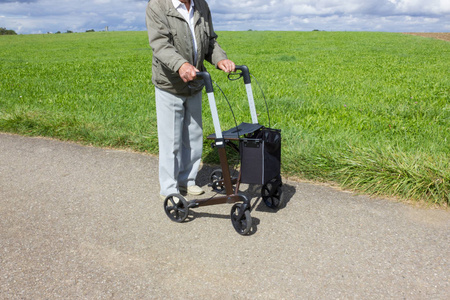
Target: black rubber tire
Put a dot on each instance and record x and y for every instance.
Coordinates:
(176, 207)
(243, 225)
(215, 177)
(271, 193)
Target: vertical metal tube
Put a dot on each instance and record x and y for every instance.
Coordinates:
(251, 103)
(225, 171)
(215, 115)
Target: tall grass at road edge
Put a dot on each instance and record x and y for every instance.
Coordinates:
(369, 111)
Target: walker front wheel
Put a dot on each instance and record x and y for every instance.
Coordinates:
(176, 207)
(241, 220)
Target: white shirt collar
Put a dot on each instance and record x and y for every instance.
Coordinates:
(177, 3)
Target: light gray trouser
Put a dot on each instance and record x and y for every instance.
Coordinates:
(180, 138)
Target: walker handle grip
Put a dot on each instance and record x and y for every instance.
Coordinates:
(207, 80)
(245, 73)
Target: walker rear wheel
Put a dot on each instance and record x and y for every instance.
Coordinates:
(216, 179)
(242, 221)
(176, 207)
(271, 193)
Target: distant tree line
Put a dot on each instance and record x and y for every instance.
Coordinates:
(70, 31)
(58, 32)
(4, 31)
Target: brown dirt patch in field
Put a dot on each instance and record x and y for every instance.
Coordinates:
(445, 36)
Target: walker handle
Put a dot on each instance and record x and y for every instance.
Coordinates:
(245, 73)
(207, 80)
(212, 105)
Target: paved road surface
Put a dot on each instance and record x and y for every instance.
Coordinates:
(85, 223)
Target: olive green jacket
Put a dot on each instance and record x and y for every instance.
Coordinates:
(171, 41)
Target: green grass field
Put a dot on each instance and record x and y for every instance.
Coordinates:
(366, 110)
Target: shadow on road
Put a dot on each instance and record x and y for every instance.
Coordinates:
(252, 191)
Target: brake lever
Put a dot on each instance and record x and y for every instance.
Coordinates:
(238, 74)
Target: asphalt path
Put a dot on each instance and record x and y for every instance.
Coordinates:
(79, 222)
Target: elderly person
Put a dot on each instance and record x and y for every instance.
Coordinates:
(181, 36)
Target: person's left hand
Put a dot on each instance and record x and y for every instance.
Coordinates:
(226, 65)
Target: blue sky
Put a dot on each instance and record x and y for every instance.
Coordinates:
(41, 16)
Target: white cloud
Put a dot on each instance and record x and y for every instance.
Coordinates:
(53, 15)
(33, 16)
(380, 15)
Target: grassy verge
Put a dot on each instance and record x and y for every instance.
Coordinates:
(369, 111)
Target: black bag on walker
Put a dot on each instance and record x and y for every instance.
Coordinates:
(260, 156)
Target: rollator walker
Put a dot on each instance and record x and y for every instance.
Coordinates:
(259, 149)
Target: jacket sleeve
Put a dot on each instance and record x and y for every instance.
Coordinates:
(215, 52)
(160, 38)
